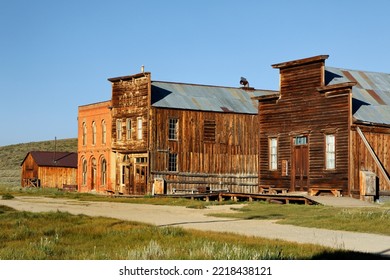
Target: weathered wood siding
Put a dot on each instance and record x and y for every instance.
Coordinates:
(130, 100)
(361, 160)
(29, 170)
(56, 177)
(304, 110)
(228, 162)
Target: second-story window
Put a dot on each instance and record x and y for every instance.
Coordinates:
(173, 129)
(128, 129)
(93, 133)
(118, 129)
(139, 128)
(84, 134)
(104, 132)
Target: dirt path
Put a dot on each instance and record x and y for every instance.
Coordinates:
(198, 219)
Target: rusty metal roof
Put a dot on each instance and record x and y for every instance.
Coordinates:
(371, 94)
(205, 98)
(54, 159)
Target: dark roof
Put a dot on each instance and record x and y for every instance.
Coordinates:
(205, 97)
(371, 94)
(54, 159)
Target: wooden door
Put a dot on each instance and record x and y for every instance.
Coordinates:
(300, 166)
(140, 179)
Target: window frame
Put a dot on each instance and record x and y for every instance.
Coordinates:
(104, 132)
(94, 133)
(273, 145)
(330, 152)
(172, 162)
(84, 172)
(128, 129)
(84, 133)
(173, 129)
(103, 172)
(139, 128)
(118, 129)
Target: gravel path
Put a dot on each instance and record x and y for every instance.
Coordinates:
(198, 219)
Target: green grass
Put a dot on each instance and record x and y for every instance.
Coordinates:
(368, 220)
(13, 155)
(62, 236)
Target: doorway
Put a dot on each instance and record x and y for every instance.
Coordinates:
(300, 164)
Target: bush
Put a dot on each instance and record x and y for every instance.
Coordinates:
(7, 196)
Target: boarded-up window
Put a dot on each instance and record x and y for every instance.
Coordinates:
(173, 129)
(172, 163)
(209, 128)
(330, 153)
(273, 153)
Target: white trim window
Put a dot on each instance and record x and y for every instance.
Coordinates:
(84, 134)
(93, 133)
(330, 152)
(104, 132)
(273, 153)
(118, 129)
(139, 128)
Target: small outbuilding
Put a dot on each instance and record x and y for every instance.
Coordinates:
(49, 170)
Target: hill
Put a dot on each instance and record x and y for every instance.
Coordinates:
(12, 156)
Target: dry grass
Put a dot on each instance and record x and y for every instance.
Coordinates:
(59, 235)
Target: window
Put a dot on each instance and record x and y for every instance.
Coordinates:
(139, 128)
(84, 172)
(128, 129)
(172, 164)
(118, 129)
(300, 140)
(104, 132)
(84, 134)
(173, 129)
(103, 177)
(209, 130)
(93, 133)
(273, 153)
(330, 152)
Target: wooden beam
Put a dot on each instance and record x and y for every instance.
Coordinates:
(374, 156)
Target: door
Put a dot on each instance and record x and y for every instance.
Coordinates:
(300, 163)
(140, 179)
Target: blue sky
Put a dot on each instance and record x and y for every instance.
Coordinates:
(57, 55)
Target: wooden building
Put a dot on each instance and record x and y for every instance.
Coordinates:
(174, 137)
(326, 130)
(94, 148)
(49, 169)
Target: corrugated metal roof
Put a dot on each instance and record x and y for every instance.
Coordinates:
(205, 98)
(371, 94)
(54, 159)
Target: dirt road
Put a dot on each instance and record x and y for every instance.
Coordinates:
(198, 219)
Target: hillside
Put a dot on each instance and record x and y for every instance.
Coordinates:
(12, 156)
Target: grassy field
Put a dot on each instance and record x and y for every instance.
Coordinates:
(13, 155)
(62, 236)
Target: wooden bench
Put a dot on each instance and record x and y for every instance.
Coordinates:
(263, 189)
(174, 191)
(335, 191)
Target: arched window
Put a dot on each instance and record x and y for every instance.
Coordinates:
(104, 132)
(84, 170)
(103, 174)
(93, 133)
(84, 134)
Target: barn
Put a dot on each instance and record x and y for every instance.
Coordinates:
(327, 130)
(49, 170)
